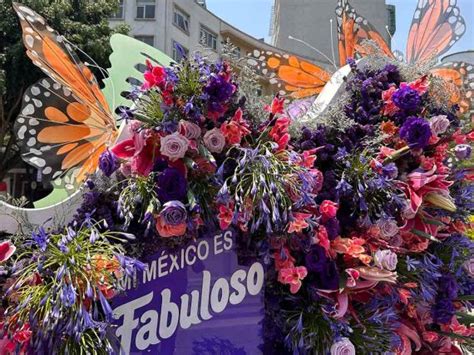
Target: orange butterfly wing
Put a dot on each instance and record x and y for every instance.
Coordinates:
(293, 76)
(436, 26)
(352, 30)
(65, 123)
(460, 78)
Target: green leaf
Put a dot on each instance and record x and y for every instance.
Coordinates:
(128, 54)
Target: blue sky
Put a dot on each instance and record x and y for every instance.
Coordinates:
(253, 17)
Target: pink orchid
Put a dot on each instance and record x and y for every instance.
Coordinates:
(6, 250)
(389, 108)
(293, 276)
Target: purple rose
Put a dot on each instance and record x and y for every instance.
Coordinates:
(462, 151)
(214, 140)
(343, 347)
(316, 259)
(406, 98)
(388, 228)
(108, 163)
(324, 269)
(439, 124)
(174, 146)
(416, 132)
(171, 185)
(469, 267)
(386, 259)
(174, 213)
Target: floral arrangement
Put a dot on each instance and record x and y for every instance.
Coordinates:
(363, 224)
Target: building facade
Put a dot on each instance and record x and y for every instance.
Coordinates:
(162, 23)
(314, 21)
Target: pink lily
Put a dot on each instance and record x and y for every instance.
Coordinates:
(6, 250)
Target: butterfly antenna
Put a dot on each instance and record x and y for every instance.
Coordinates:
(314, 49)
(332, 43)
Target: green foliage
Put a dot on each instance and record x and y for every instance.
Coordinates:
(82, 22)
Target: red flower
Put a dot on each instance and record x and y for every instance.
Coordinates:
(279, 132)
(154, 76)
(225, 216)
(389, 108)
(328, 209)
(235, 129)
(276, 106)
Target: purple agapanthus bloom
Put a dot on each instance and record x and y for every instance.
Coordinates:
(41, 239)
(416, 132)
(406, 98)
(171, 185)
(108, 163)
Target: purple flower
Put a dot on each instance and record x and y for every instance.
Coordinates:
(416, 132)
(108, 163)
(390, 170)
(316, 259)
(41, 239)
(174, 213)
(171, 185)
(406, 98)
(324, 269)
(462, 151)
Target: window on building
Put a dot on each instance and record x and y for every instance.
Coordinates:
(150, 40)
(145, 9)
(208, 38)
(119, 13)
(179, 51)
(392, 23)
(181, 19)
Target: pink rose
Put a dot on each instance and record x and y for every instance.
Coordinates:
(214, 140)
(386, 259)
(174, 146)
(469, 267)
(189, 130)
(328, 209)
(343, 347)
(439, 124)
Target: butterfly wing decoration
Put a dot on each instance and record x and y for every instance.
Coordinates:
(65, 122)
(460, 79)
(436, 26)
(295, 78)
(352, 30)
(128, 65)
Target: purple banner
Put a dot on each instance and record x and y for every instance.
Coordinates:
(193, 300)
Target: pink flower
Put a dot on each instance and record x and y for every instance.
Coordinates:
(225, 216)
(167, 230)
(279, 132)
(189, 130)
(214, 140)
(6, 250)
(343, 347)
(154, 76)
(236, 128)
(322, 237)
(276, 106)
(292, 276)
(389, 107)
(174, 146)
(299, 222)
(420, 85)
(318, 179)
(328, 209)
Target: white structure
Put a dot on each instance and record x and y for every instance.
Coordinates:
(314, 21)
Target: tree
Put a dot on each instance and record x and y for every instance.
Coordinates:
(82, 22)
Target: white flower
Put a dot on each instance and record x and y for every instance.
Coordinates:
(174, 146)
(386, 259)
(214, 140)
(343, 347)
